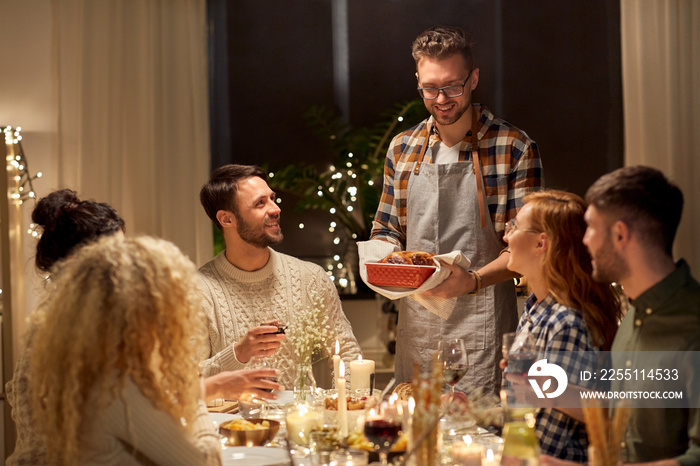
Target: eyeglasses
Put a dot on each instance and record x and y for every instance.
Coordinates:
(456, 90)
(512, 225)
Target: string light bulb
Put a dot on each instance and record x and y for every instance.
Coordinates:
(24, 187)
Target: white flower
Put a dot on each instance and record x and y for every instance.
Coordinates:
(311, 332)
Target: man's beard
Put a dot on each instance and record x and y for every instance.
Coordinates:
(609, 266)
(445, 121)
(255, 235)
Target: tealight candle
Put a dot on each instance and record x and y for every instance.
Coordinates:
(342, 402)
(360, 373)
(301, 420)
(336, 360)
(467, 453)
(489, 459)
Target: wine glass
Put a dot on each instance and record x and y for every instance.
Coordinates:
(262, 362)
(522, 353)
(383, 428)
(453, 358)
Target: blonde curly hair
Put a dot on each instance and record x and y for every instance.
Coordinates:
(118, 308)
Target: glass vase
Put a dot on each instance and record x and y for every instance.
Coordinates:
(304, 382)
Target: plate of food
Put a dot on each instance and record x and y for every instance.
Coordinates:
(358, 441)
(356, 407)
(255, 456)
(405, 269)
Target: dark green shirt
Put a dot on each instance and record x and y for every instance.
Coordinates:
(666, 317)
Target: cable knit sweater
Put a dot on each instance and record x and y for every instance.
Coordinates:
(131, 421)
(29, 449)
(236, 300)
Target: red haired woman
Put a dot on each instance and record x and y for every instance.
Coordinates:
(567, 311)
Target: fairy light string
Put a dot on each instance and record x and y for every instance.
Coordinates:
(23, 188)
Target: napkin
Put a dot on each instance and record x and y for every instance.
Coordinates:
(375, 250)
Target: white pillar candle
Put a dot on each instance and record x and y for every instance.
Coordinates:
(360, 372)
(342, 402)
(336, 360)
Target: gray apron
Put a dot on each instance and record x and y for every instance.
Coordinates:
(443, 215)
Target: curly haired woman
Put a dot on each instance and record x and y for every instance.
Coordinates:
(66, 222)
(567, 312)
(113, 375)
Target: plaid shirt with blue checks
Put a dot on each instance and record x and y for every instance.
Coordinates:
(561, 335)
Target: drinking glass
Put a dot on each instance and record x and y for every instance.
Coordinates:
(262, 362)
(522, 354)
(453, 358)
(507, 343)
(383, 428)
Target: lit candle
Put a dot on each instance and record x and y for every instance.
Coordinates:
(467, 453)
(336, 360)
(342, 402)
(489, 460)
(301, 420)
(360, 373)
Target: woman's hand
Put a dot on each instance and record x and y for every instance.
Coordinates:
(231, 385)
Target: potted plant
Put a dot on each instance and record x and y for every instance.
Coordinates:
(349, 185)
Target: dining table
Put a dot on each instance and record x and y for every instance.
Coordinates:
(275, 454)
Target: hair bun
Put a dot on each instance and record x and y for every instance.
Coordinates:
(51, 208)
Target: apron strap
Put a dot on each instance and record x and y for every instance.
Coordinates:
(421, 155)
(477, 169)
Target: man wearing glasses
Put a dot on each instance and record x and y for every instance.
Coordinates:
(451, 183)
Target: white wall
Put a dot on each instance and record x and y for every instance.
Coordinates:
(28, 99)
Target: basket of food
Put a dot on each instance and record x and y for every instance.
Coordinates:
(249, 432)
(406, 269)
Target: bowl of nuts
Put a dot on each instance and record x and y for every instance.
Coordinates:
(249, 432)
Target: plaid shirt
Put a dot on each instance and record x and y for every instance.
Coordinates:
(559, 331)
(510, 165)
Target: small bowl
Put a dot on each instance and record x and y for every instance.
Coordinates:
(250, 438)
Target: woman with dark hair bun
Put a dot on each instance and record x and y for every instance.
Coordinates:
(68, 222)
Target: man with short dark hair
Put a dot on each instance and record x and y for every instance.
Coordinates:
(632, 218)
(250, 284)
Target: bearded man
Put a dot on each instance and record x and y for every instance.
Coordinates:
(250, 284)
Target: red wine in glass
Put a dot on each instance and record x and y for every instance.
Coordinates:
(452, 356)
(383, 428)
(382, 433)
(454, 373)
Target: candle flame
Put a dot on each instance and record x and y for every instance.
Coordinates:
(467, 439)
(359, 358)
(411, 405)
(489, 455)
(341, 369)
(337, 347)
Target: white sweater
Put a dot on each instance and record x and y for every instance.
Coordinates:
(236, 300)
(131, 422)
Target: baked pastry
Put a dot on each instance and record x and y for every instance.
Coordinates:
(404, 390)
(409, 258)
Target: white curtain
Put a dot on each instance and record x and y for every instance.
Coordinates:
(133, 123)
(661, 89)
